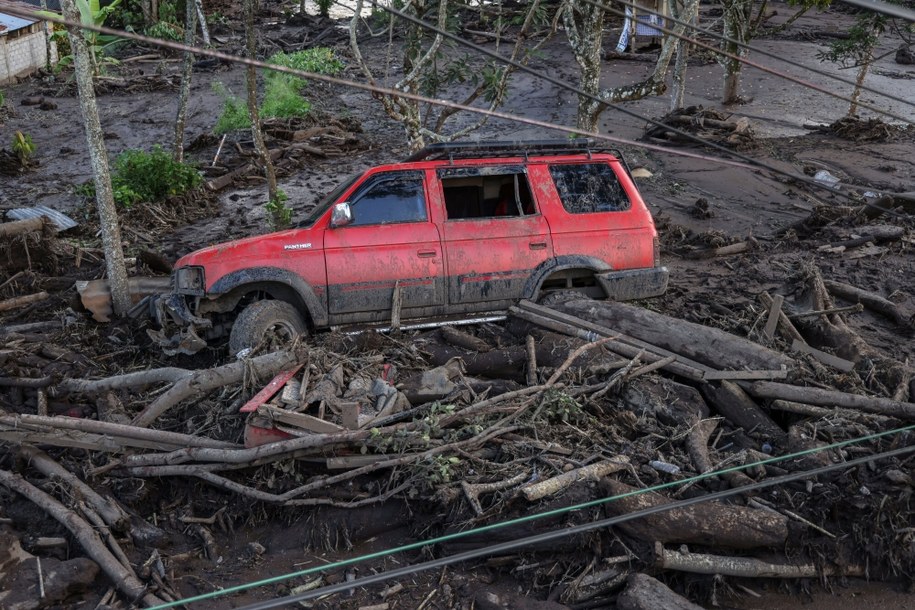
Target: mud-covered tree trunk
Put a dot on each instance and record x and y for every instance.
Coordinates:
(190, 25)
(98, 156)
(202, 18)
(868, 57)
(584, 30)
(682, 60)
(251, 82)
(738, 16)
(584, 23)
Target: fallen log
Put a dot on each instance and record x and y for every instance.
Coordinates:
(22, 301)
(120, 576)
(112, 514)
(710, 346)
(697, 447)
(712, 523)
(643, 592)
(784, 323)
(872, 301)
(541, 489)
(18, 227)
(832, 398)
(202, 382)
(745, 567)
(133, 380)
(733, 403)
(459, 338)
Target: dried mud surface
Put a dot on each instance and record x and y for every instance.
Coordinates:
(697, 205)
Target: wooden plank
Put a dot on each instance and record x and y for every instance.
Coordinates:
(774, 310)
(269, 390)
(827, 359)
(773, 374)
(299, 420)
(349, 415)
(396, 301)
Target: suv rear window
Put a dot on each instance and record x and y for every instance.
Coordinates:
(585, 188)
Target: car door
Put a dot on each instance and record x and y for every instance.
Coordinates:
(390, 243)
(493, 233)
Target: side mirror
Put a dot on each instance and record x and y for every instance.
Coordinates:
(341, 215)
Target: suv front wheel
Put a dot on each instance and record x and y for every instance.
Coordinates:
(277, 322)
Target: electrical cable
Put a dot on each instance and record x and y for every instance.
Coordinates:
(884, 8)
(563, 85)
(513, 545)
(759, 51)
(750, 163)
(525, 519)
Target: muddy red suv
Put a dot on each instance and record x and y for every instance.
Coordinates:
(456, 231)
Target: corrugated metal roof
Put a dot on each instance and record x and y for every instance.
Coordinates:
(61, 221)
(12, 23)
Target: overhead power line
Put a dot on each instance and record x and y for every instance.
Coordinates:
(884, 8)
(515, 545)
(759, 51)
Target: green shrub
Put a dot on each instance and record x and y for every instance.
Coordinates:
(141, 176)
(282, 99)
(234, 112)
(319, 59)
(165, 31)
(280, 215)
(23, 146)
(2, 99)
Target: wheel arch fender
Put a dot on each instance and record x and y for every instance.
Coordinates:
(560, 263)
(278, 283)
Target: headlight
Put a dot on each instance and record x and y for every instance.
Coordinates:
(190, 280)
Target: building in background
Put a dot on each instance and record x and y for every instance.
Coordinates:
(25, 44)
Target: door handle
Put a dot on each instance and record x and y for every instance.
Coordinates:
(537, 245)
(426, 253)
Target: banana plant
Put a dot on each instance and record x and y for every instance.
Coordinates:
(92, 13)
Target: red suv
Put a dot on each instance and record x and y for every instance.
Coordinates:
(456, 232)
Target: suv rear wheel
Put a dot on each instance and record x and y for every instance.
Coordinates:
(277, 322)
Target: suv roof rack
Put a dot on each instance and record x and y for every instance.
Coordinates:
(508, 148)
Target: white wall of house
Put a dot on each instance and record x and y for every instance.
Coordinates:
(22, 52)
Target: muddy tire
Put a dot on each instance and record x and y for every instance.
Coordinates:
(558, 297)
(275, 321)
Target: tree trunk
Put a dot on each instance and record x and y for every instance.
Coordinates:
(251, 82)
(737, 25)
(202, 18)
(859, 81)
(104, 197)
(190, 25)
(688, 15)
(584, 23)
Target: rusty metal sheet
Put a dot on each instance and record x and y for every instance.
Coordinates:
(61, 221)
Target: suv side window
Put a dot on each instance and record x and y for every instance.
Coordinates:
(486, 192)
(586, 188)
(388, 198)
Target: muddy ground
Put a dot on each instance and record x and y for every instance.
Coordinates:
(697, 204)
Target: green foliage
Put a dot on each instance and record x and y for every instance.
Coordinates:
(23, 146)
(558, 405)
(282, 99)
(91, 13)
(234, 114)
(319, 59)
(857, 47)
(141, 176)
(279, 213)
(216, 18)
(324, 7)
(2, 99)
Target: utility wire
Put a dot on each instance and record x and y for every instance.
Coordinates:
(526, 519)
(514, 545)
(564, 85)
(884, 8)
(758, 51)
(750, 163)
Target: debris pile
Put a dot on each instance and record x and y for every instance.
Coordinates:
(707, 123)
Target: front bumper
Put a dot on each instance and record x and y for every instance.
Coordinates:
(179, 326)
(634, 284)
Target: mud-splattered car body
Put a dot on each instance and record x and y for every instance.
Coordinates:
(454, 231)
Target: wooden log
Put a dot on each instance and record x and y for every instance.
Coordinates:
(553, 485)
(36, 422)
(825, 357)
(643, 592)
(112, 514)
(774, 313)
(126, 582)
(531, 346)
(202, 382)
(872, 301)
(459, 338)
(832, 398)
(732, 402)
(697, 447)
(712, 523)
(712, 347)
(784, 323)
(22, 301)
(745, 567)
(728, 250)
(18, 227)
(299, 420)
(800, 408)
(136, 379)
(618, 346)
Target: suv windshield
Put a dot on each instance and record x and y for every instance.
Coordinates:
(327, 201)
